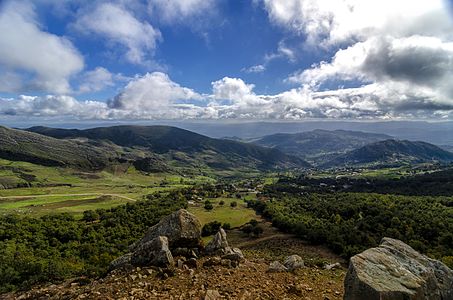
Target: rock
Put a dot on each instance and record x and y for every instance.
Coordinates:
(332, 266)
(234, 254)
(121, 262)
(182, 229)
(396, 271)
(191, 263)
(154, 252)
(213, 261)
(277, 267)
(219, 244)
(185, 252)
(212, 295)
(293, 262)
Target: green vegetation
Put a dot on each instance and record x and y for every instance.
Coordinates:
(54, 247)
(236, 216)
(351, 222)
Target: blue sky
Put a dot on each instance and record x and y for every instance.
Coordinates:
(219, 59)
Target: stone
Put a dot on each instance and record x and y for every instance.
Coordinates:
(396, 271)
(182, 229)
(121, 262)
(153, 253)
(277, 267)
(212, 295)
(332, 266)
(293, 262)
(192, 263)
(234, 254)
(213, 261)
(219, 244)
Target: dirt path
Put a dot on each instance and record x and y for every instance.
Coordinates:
(266, 238)
(71, 195)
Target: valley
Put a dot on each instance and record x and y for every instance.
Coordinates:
(85, 205)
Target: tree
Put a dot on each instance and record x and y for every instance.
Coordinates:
(208, 206)
(248, 229)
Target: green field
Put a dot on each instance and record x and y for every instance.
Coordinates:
(236, 216)
(53, 190)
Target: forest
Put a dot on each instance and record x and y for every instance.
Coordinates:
(54, 247)
(352, 222)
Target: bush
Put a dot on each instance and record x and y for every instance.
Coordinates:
(226, 226)
(233, 204)
(221, 203)
(253, 222)
(248, 229)
(210, 228)
(208, 206)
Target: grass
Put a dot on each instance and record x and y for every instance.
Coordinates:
(53, 189)
(236, 216)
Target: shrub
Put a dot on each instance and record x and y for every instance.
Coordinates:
(234, 204)
(210, 228)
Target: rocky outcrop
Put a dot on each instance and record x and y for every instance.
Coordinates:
(182, 229)
(396, 271)
(179, 232)
(293, 262)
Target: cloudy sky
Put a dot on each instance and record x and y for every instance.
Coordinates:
(226, 59)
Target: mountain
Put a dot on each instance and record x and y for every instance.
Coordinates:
(392, 152)
(319, 145)
(43, 150)
(183, 146)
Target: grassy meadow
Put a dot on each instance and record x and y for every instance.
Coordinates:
(31, 189)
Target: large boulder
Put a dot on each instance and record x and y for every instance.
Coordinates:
(396, 271)
(182, 229)
(154, 253)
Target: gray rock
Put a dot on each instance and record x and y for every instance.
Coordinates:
(182, 229)
(234, 254)
(293, 262)
(121, 262)
(332, 266)
(154, 252)
(219, 244)
(277, 267)
(396, 271)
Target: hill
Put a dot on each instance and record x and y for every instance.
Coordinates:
(319, 145)
(19, 145)
(394, 153)
(183, 146)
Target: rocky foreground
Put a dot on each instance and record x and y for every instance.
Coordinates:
(171, 262)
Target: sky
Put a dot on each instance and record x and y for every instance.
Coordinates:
(75, 60)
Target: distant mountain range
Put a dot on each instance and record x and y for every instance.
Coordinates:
(392, 153)
(180, 147)
(319, 145)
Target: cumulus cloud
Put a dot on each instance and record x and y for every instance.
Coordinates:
(32, 58)
(152, 93)
(397, 55)
(120, 27)
(96, 80)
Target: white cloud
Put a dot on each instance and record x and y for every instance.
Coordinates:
(255, 69)
(178, 11)
(120, 27)
(34, 59)
(152, 93)
(332, 21)
(96, 80)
